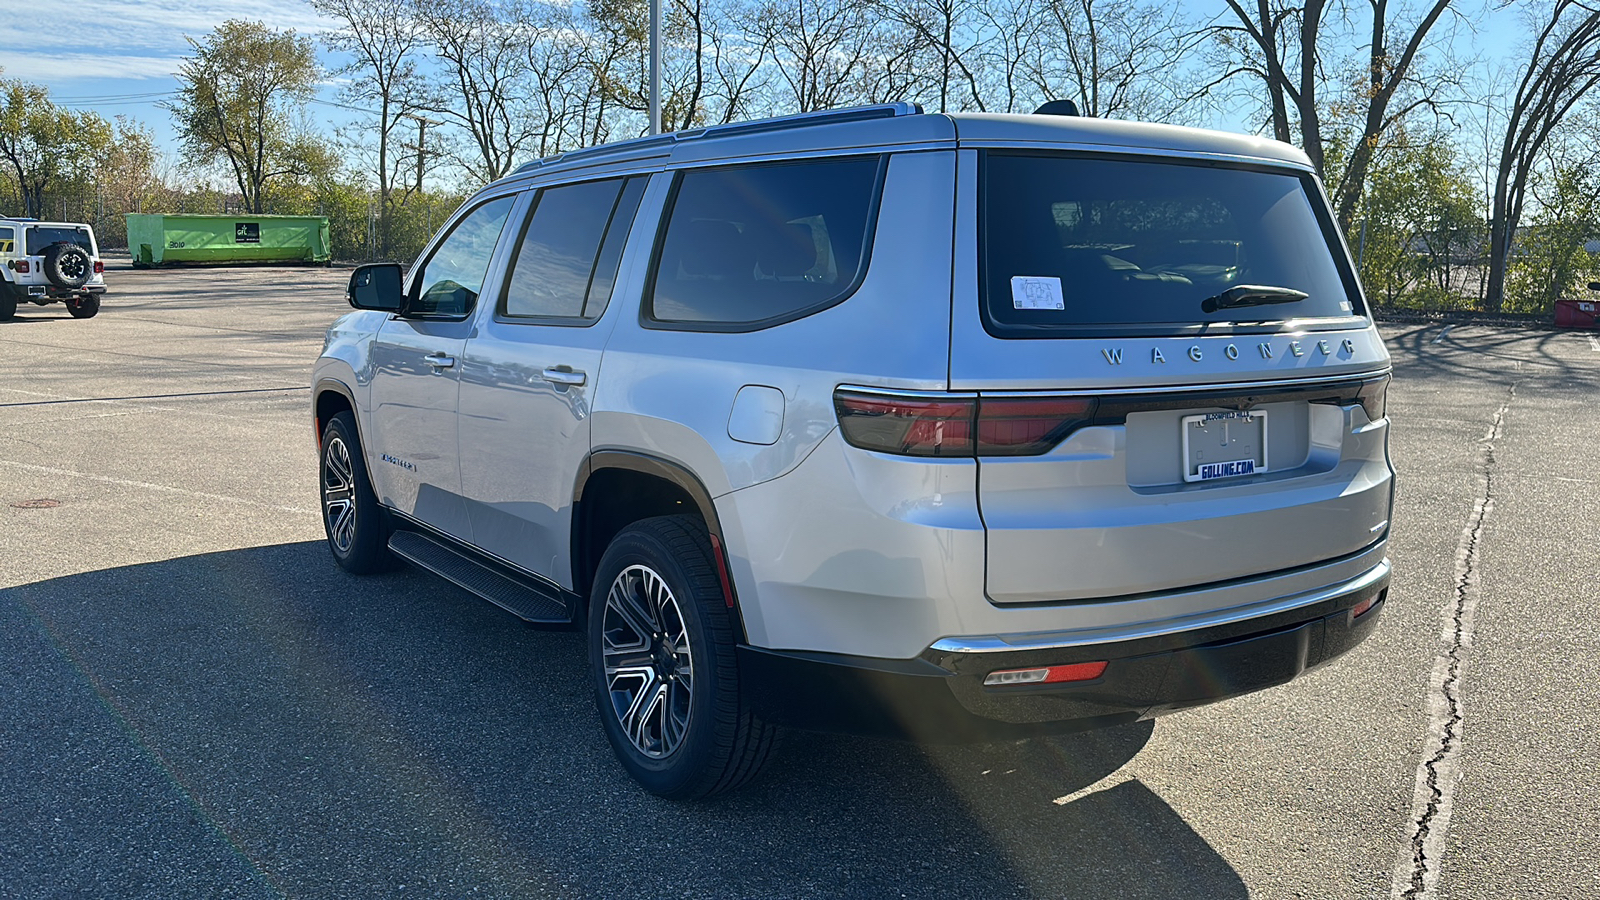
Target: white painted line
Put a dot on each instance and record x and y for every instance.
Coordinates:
(1442, 334)
(1594, 343)
(105, 479)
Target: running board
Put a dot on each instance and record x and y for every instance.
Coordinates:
(519, 597)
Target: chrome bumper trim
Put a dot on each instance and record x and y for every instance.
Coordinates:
(1050, 640)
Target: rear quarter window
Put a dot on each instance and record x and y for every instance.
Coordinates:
(751, 246)
(1094, 245)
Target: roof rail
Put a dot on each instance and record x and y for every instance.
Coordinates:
(757, 126)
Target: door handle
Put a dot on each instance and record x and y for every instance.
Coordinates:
(563, 375)
(439, 360)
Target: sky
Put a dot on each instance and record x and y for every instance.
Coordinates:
(117, 57)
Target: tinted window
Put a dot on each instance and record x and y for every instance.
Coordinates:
(1094, 244)
(605, 269)
(449, 282)
(560, 255)
(8, 239)
(40, 239)
(754, 244)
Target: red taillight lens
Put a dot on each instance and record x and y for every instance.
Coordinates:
(910, 426)
(1026, 426)
(22, 266)
(99, 268)
(1087, 671)
(958, 426)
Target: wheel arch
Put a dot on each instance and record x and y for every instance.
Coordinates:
(616, 488)
(329, 398)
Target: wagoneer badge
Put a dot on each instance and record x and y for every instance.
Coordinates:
(1196, 353)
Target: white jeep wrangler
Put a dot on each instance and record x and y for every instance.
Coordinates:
(50, 262)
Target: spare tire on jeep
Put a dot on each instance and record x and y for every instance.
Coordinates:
(67, 265)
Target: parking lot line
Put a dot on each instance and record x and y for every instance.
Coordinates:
(106, 479)
(1594, 343)
(1442, 333)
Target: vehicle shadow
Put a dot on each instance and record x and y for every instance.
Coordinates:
(257, 723)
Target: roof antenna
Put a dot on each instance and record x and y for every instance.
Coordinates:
(1058, 108)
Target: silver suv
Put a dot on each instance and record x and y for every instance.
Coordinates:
(955, 427)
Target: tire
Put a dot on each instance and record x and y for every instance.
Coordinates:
(8, 304)
(84, 307)
(663, 665)
(67, 265)
(356, 526)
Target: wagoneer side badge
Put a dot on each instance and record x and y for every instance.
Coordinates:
(1113, 355)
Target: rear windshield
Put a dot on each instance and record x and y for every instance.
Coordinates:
(40, 238)
(1096, 245)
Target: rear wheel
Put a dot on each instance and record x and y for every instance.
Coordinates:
(357, 530)
(662, 658)
(84, 307)
(8, 304)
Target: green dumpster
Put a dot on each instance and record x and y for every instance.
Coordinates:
(156, 239)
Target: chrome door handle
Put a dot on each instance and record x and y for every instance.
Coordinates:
(439, 360)
(563, 375)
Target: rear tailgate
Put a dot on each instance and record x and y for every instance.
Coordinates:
(1285, 398)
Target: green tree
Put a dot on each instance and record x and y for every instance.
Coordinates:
(1420, 224)
(235, 101)
(1550, 259)
(44, 145)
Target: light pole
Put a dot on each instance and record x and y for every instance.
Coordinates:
(655, 66)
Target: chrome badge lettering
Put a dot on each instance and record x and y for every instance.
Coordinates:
(1113, 355)
(404, 464)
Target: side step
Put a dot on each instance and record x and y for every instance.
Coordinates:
(522, 598)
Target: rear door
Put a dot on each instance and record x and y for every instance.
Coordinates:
(1218, 441)
(530, 370)
(412, 450)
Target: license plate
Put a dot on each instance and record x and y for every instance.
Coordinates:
(36, 291)
(1224, 445)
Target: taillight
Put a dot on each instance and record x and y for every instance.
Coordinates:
(99, 267)
(21, 266)
(909, 426)
(958, 426)
(1026, 426)
(1374, 398)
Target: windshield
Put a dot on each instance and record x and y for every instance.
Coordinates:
(41, 237)
(1075, 243)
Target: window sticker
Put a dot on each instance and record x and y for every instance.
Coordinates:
(1035, 292)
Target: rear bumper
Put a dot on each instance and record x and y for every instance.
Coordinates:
(940, 695)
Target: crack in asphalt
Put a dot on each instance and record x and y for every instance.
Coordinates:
(1417, 876)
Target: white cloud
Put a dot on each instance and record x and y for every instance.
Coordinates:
(123, 27)
(66, 67)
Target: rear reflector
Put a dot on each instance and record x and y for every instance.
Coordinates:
(1088, 671)
(1365, 606)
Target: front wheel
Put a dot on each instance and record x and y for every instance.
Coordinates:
(357, 529)
(662, 658)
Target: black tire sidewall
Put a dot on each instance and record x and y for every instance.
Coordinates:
(84, 307)
(691, 770)
(8, 303)
(52, 265)
(369, 550)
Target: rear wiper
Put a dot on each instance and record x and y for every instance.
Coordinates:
(1251, 295)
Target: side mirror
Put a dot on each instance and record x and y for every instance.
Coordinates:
(376, 286)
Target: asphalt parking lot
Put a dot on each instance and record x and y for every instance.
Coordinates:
(195, 702)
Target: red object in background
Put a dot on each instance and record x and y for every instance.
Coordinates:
(1578, 313)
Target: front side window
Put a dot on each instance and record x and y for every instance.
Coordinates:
(748, 246)
(562, 267)
(451, 279)
(1097, 245)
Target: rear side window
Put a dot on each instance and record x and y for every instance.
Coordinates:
(751, 246)
(449, 282)
(566, 261)
(1096, 245)
(8, 239)
(40, 239)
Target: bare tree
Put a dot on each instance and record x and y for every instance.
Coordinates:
(1285, 47)
(822, 49)
(382, 38)
(949, 39)
(482, 83)
(1115, 57)
(1563, 67)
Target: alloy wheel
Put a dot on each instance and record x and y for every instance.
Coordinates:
(649, 669)
(339, 495)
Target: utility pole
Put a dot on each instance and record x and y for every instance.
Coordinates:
(655, 66)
